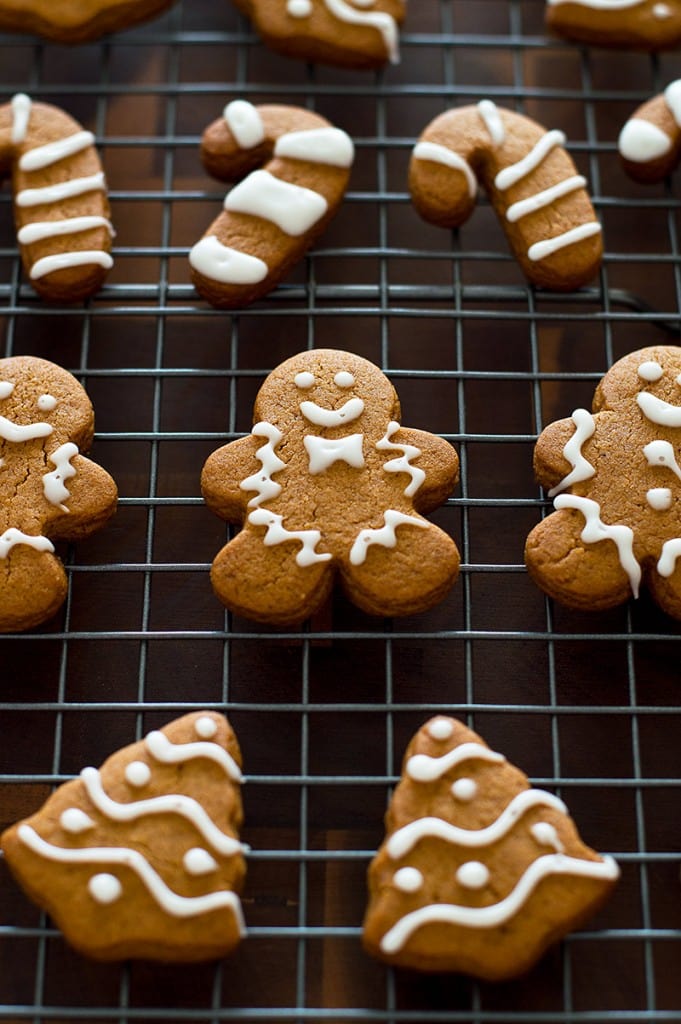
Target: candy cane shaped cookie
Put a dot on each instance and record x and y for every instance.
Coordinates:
(294, 168)
(650, 141)
(634, 24)
(61, 208)
(533, 184)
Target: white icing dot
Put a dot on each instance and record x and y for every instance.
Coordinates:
(206, 727)
(105, 888)
(650, 370)
(408, 879)
(464, 789)
(473, 875)
(199, 862)
(137, 773)
(74, 820)
(659, 498)
(344, 379)
(440, 729)
(47, 403)
(678, 379)
(661, 11)
(546, 835)
(304, 379)
(299, 8)
(6, 388)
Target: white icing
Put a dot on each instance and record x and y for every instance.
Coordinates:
(497, 913)
(672, 96)
(62, 190)
(406, 838)
(41, 229)
(293, 208)
(21, 113)
(596, 530)
(137, 774)
(662, 11)
(489, 112)
(408, 879)
(270, 462)
(402, 464)
(163, 750)
(199, 862)
(585, 426)
(324, 451)
(546, 247)
(46, 403)
(172, 803)
(423, 768)
(442, 155)
(379, 20)
(650, 370)
(6, 388)
(321, 417)
(661, 453)
(105, 888)
(344, 379)
(54, 487)
(17, 432)
(441, 729)
(278, 534)
(516, 172)
(473, 875)
(671, 549)
(385, 535)
(245, 123)
(659, 498)
(64, 260)
(304, 379)
(464, 789)
(171, 902)
(205, 727)
(318, 145)
(547, 835)
(658, 411)
(11, 537)
(75, 821)
(299, 8)
(544, 198)
(640, 141)
(44, 156)
(225, 264)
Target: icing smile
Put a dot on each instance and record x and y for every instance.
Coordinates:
(14, 432)
(658, 411)
(321, 417)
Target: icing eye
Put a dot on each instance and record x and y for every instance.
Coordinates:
(344, 379)
(408, 879)
(473, 875)
(304, 380)
(137, 773)
(205, 727)
(105, 888)
(6, 388)
(650, 371)
(47, 403)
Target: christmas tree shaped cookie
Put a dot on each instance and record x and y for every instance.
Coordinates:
(141, 858)
(479, 872)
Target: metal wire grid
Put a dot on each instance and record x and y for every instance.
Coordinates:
(587, 706)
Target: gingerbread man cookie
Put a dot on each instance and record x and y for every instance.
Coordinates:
(531, 181)
(348, 33)
(479, 872)
(48, 489)
(328, 484)
(76, 21)
(61, 207)
(615, 480)
(650, 141)
(635, 24)
(294, 168)
(141, 857)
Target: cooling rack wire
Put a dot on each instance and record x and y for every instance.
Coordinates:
(586, 705)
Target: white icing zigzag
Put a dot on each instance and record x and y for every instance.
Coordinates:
(402, 464)
(163, 750)
(423, 768)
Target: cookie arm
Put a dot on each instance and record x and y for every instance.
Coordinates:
(223, 473)
(92, 500)
(436, 458)
(549, 463)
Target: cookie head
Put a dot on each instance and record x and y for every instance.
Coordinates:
(40, 400)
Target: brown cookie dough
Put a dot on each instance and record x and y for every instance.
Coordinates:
(615, 479)
(294, 168)
(650, 141)
(638, 25)
(478, 873)
(328, 484)
(61, 207)
(48, 489)
(76, 21)
(531, 181)
(141, 858)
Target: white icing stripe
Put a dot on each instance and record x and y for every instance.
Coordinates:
(44, 156)
(596, 530)
(42, 229)
(278, 534)
(168, 900)
(245, 123)
(62, 190)
(382, 22)
(385, 536)
(324, 451)
(516, 172)
(21, 113)
(17, 432)
(402, 464)
(423, 768)
(174, 803)
(318, 145)
(224, 264)
(658, 411)
(498, 913)
(53, 483)
(65, 260)
(294, 209)
(163, 750)
(671, 550)
(321, 417)
(406, 838)
(641, 141)
(489, 112)
(540, 250)
(270, 462)
(541, 199)
(585, 426)
(442, 155)
(672, 96)
(11, 537)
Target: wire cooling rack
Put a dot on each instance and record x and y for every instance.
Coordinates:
(587, 705)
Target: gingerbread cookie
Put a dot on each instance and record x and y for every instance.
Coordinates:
(141, 858)
(348, 33)
(61, 207)
(48, 489)
(294, 168)
(615, 478)
(634, 24)
(531, 181)
(328, 484)
(650, 142)
(479, 873)
(76, 21)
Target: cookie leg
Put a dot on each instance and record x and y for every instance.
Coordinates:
(32, 588)
(266, 583)
(404, 566)
(664, 582)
